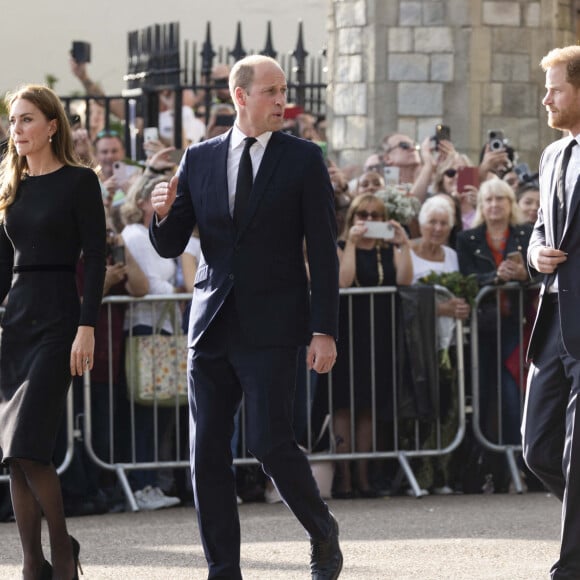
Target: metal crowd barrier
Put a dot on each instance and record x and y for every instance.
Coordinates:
(179, 457)
(493, 403)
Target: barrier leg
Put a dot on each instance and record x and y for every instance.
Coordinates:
(417, 491)
(514, 471)
(127, 488)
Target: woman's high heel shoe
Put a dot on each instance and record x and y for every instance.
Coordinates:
(76, 548)
(45, 571)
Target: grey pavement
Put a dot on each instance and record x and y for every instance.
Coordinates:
(471, 537)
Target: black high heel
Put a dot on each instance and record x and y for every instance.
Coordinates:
(45, 571)
(76, 548)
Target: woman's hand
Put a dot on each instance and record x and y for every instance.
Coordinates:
(159, 156)
(82, 351)
(455, 308)
(356, 232)
(400, 238)
(510, 270)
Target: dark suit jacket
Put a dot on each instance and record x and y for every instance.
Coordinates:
(292, 200)
(544, 235)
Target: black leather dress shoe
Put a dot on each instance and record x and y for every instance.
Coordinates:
(325, 555)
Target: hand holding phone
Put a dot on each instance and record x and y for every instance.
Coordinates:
(515, 257)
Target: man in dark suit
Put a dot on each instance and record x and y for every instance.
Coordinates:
(251, 307)
(551, 425)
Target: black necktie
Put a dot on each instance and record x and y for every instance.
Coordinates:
(244, 182)
(561, 208)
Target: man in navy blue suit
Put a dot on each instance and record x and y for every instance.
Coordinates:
(253, 306)
(551, 437)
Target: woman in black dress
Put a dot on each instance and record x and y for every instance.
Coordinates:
(50, 211)
(365, 261)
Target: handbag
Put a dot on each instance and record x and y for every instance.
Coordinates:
(156, 366)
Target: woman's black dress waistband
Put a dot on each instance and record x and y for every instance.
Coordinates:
(44, 268)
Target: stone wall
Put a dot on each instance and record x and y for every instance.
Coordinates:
(406, 65)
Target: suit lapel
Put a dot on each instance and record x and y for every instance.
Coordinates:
(219, 174)
(574, 202)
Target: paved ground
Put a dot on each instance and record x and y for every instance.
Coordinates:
(505, 537)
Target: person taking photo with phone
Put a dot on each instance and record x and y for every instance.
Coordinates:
(372, 251)
(494, 251)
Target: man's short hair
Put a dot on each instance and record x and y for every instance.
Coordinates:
(569, 56)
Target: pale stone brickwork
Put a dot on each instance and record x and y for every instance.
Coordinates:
(406, 65)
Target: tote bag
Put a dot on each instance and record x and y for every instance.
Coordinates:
(156, 367)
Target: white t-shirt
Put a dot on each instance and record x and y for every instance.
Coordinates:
(160, 273)
(193, 128)
(422, 267)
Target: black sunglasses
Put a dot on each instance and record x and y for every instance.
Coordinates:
(365, 215)
(450, 173)
(404, 145)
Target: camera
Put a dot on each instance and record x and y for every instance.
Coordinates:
(496, 140)
(81, 51)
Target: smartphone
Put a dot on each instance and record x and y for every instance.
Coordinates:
(123, 172)
(391, 175)
(81, 51)
(380, 230)
(467, 176)
(442, 132)
(118, 254)
(150, 134)
(515, 257)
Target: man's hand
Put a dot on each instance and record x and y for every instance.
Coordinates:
(546, 260)
(321, 354)
(163, 196)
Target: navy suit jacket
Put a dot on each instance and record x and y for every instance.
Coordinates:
(292, 202)
(544, 235)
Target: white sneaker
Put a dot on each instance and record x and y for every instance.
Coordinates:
(167, 500)
(152, 498)
(445, 490)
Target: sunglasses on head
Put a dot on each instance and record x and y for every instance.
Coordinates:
(365, 215)
(108, 133)
(450, 173)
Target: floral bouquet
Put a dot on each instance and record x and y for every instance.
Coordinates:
(401, 205)
(459, 285)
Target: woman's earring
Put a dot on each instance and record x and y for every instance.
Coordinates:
(50, 138)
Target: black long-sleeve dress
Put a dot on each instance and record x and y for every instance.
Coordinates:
(53, 218)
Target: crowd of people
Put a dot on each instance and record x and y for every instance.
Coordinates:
(444, 213)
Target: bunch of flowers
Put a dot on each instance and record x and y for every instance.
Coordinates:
(401, 205)
(459, 285)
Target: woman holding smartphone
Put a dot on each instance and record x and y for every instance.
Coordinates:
(365, 261)
(494, 250)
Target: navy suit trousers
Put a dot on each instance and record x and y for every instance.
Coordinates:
(551, 435)
(222, 369)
